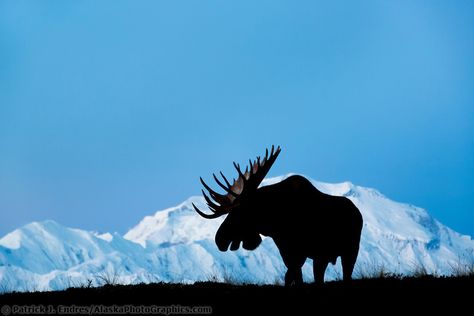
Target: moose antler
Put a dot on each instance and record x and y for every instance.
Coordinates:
(246, 183)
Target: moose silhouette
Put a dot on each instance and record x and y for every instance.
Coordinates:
(303, 222)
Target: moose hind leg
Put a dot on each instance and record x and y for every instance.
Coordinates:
(348, 261)
(319, 267)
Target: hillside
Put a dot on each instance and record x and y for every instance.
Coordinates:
(367, 295)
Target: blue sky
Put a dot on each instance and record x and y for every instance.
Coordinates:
(111, 110)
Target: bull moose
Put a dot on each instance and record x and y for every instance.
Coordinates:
(303, 222)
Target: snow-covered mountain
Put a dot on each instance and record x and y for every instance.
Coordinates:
(177, 245)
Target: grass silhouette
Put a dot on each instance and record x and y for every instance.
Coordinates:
(394, 293)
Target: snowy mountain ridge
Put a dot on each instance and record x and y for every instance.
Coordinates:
(177, 245)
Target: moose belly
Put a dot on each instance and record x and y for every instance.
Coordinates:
(323, 249)
(326, 257)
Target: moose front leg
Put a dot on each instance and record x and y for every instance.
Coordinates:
(319, 267)
(293, 276)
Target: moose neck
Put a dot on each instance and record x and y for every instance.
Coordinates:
(263, 207)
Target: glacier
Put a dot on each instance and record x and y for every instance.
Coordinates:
(177, 245)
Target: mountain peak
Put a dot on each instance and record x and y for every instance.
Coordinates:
(14, 239)
(179, 224)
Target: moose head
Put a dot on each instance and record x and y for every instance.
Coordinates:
(239, 202)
